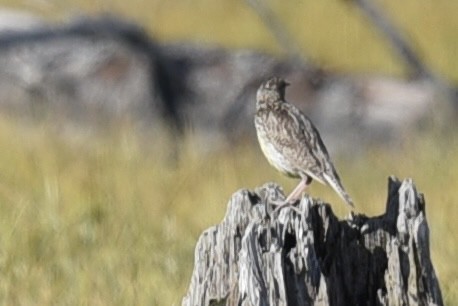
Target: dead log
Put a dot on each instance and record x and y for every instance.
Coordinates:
(307, 256)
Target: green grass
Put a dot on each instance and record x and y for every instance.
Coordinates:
(110, 221)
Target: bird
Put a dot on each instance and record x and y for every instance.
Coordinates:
(291, 143)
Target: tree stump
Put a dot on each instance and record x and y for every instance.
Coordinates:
(307, 256)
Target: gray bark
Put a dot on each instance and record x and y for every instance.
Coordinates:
(307, 256)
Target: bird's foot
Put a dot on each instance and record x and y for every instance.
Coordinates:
(277, 202)
(281, 205)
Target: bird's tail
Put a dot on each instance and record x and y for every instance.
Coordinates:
(334, 182)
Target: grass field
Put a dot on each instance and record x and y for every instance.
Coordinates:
(110, 221)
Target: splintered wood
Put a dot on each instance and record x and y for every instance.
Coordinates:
(306, 256)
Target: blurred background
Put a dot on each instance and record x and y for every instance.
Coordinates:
(126, 126)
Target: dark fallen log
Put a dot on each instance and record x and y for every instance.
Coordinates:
(100, 68)
(99, 71)
(312, 258)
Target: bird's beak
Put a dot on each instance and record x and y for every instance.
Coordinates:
(286, 84)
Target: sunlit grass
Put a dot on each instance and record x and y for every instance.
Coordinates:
(111, 220)
(114, 222)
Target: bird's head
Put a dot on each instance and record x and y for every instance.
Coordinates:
(272, 90)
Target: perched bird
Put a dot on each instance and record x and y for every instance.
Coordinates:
(291, 143)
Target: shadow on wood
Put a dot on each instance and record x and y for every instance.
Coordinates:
(309, 257)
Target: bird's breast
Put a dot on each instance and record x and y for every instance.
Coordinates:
(274, 154)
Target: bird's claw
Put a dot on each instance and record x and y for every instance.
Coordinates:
(284, 204)
(277, 202)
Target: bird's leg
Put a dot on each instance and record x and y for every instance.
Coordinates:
(303, 184)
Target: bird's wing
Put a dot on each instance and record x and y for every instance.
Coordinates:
(338, 188)
(324, 169)
(292, 134)
(316, 160)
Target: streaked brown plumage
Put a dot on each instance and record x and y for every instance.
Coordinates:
(291, 142)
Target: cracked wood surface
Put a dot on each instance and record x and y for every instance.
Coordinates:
(308, 256)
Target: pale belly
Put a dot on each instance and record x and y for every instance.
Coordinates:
(276, 158)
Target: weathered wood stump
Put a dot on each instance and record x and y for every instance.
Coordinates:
(306, 256)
